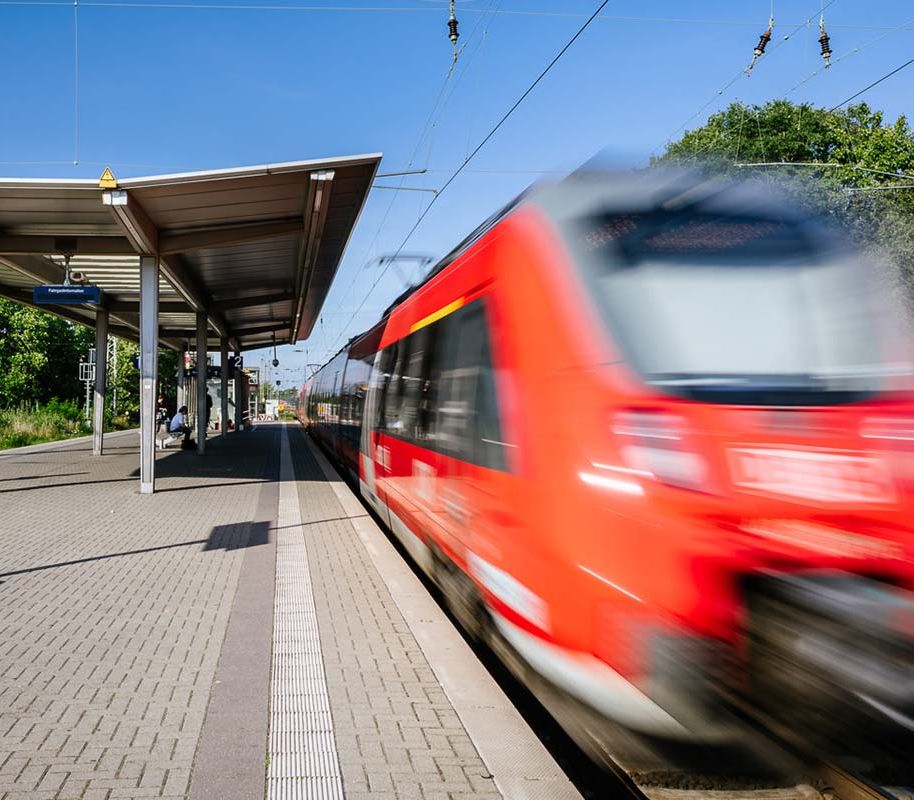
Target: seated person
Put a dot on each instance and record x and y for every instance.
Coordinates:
(179, 424)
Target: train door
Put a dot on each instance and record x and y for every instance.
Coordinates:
(414, 464)
(331, 430)
(474, 464)
(339, 399)
(374, 453)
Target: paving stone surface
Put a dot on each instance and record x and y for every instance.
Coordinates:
(113, 609)
(397, 734)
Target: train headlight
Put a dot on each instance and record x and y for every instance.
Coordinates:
(654, 442)
(890, 429)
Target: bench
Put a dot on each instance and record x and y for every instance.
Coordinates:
(167, 438)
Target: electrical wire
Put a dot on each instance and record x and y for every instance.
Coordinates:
(422, 133)
(417, 10)
(720, 92)
(874, 83)
(477, 149)
(465, 67)
(852, 52)
(75, 82)
(428, 130)
(823, 164)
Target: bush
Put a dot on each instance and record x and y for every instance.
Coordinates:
(64, 408)
(119, 423)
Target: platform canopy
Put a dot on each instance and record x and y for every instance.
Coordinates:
(255, 248)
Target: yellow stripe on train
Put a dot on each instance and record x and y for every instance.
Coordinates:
(450, 308)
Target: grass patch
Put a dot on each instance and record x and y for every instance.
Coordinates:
(34, 424)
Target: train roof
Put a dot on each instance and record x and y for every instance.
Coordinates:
(592, 189)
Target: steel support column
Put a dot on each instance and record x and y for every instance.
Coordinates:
(101, 380)
(149, 368)
(239, 414)
(223, 360)
(182, 397)
(201, 382)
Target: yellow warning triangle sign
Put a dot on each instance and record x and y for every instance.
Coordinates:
(107, 180)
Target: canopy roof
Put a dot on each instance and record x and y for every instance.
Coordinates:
(256, 248)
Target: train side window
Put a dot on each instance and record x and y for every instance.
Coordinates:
(430, 386)
(318, 386)
(353, 399)
(340, 386)
(456, 408)
(385, 406)
(335, 398)
(468, 425)
(412, 381)
(393, 408)
(490, 449)
(362, 388)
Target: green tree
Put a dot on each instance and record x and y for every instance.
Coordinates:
(39, 357)
(127, 380)
(846, 161)
(124, 379)
(39, 362)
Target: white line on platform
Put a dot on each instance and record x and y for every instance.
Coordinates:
(302, 750)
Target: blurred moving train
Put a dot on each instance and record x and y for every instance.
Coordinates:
(654, 434)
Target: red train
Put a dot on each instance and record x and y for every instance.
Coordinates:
(654, 434)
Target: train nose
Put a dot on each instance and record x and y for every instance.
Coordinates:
(836, 649)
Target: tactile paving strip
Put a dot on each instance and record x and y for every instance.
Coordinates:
(303, 758)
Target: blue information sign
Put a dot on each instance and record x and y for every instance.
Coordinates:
(72, 295)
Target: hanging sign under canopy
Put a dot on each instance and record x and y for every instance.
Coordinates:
(63, 294)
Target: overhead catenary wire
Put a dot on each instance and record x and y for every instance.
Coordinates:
(720, 92)
(885, 77)
(402, 174)
(852, 52)
(75, 82)
(485, 140)
(411, 9)
(823, 164)
(456, 83)
(442, 100)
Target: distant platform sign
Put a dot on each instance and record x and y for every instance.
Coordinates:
(73, 295)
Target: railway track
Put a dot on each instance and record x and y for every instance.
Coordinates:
(843, 785)
(828, 781)
(817, 778)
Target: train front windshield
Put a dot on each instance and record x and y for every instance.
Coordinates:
(734, 309)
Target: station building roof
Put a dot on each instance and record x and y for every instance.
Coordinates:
(256, 248)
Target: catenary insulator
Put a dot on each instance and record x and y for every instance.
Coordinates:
(453, 33)
(825, 43)
(760, 47)
(762, 43)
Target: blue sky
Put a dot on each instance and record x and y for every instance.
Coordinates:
(173, 88)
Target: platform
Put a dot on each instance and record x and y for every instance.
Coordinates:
(246, 632)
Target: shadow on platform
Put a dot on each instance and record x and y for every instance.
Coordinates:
(223, 537)
(35, 488)
(240, 458)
